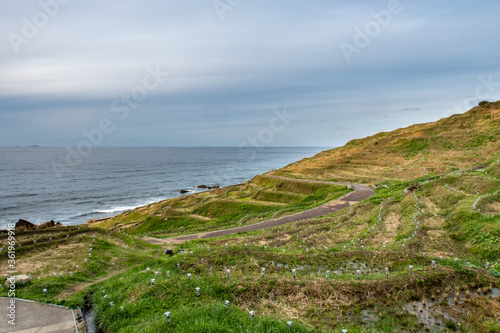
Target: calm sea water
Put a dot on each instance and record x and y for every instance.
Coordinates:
(41, 184)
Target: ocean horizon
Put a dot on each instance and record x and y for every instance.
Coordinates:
(72, 187)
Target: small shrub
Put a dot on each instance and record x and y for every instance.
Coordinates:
(451, 325)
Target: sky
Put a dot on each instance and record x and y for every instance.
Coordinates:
(238, 72)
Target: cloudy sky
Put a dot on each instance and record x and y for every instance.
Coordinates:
(233, 72)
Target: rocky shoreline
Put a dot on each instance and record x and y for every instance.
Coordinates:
(23, 225)
(203, 187)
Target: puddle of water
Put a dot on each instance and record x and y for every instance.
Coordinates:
(433, 316)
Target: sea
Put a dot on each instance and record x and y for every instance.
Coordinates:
(73, 186)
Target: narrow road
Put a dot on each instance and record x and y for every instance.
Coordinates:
(360, 193)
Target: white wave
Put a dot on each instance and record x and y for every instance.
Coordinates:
(119, 209)
(114, 209)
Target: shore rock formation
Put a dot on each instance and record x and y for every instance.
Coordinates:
(27, 225)
(24, 224)
(207, 187)
(47, 224)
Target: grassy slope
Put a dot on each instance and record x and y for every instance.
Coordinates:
(458, 142)
(256, 200)
(111, 254)
(454, 215)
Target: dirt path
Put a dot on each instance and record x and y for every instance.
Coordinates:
(361, 192)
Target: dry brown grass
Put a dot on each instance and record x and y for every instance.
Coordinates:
(321, 299)
(390, 226)
(199, 217)
(384, 156)
(51, 259)
(492, 208)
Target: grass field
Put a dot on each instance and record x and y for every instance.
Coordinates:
(256, 200)
(422, 254)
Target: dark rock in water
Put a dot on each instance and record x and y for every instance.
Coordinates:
(23, 224)
(169, 252)
(59, 224)
(184, 191)
(208, 187)
(47, 224)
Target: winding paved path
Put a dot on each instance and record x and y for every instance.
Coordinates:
(360, 193)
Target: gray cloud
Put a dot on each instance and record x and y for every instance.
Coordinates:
(411, 109)
(227, 76)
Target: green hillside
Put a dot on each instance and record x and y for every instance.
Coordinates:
(256, 200)
(422, 254)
